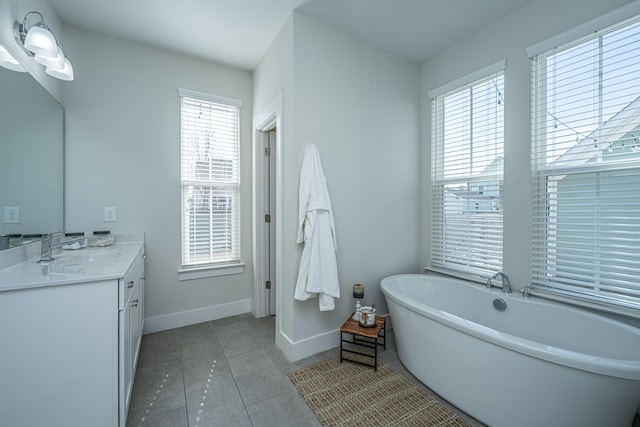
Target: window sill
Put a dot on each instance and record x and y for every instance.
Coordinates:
(203, 272)
(470, 277)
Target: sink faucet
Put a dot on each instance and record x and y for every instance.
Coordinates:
(47, 245)
(506, 285)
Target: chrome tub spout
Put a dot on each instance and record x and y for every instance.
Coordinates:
(506, 284)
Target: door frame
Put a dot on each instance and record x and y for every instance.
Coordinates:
(266, 120)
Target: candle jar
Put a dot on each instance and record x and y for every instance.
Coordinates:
(367, 317)
(358, 291)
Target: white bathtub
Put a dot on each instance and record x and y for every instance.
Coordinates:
(538, 363)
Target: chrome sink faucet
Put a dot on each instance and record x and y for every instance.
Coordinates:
(48, 245)
(506, 285)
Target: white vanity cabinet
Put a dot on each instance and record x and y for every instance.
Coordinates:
(130, 322)
(69, 345)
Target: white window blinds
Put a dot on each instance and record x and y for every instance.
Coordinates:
(467, 176)
(210, 178)
(586, 167)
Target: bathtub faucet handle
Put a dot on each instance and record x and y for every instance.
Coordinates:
(506, 284)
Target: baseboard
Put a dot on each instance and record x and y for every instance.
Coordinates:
(307, 347)
(199, 315)
(293, 350)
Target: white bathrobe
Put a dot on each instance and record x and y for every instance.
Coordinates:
(318, 273)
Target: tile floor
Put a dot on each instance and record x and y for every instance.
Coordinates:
(226, 372)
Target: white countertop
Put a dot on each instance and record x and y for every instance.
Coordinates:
(71, 266)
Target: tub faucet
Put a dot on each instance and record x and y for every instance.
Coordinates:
(47, 245)
(506, 285)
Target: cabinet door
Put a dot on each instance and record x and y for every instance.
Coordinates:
(134, 338)
(58, 356)
(128, 351)
(140, 309)
(125, 367)
(131, 321)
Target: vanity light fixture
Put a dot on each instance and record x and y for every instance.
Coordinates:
(38, 41)
(57, 60)
(9, 62)
(38, 38)
(64, 72)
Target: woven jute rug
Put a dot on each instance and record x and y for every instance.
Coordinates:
(347, 394)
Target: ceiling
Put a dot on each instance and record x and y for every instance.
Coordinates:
(239, 32)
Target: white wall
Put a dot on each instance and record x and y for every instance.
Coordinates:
(273, 78)
(359, 105)
(123, 150)
(15, 10)
(506, 39)
(274, 73)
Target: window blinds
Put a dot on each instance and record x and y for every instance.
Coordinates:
(210, 177)
(586, 167)
(467, 176)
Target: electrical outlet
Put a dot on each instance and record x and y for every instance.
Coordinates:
(11, 215)
(110, 214)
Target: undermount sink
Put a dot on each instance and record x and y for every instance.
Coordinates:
(86, 257)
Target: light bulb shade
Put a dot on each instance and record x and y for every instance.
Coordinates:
(39, 40)
(12, 64)
(56, 63)
(9, 62)
(65, 74)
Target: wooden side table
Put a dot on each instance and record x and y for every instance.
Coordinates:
(363, 337)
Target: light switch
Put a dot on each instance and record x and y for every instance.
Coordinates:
(110, 214)
(11, 215)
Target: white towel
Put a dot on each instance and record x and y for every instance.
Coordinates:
(318, 273)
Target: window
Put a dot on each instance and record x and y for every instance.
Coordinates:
(467, 174)
(210, 178)
(586, 167)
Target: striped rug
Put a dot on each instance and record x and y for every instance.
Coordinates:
(346, 394)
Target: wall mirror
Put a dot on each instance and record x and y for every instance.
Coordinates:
(31, 159)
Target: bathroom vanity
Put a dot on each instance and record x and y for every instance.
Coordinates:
(70, 334)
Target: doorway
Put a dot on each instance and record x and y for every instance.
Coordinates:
(267, 224)
(270, 223)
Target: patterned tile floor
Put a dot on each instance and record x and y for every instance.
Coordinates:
(226, 372)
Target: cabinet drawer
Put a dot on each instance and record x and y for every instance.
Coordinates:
(127, 284)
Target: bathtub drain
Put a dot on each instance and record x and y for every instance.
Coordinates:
(499, 304)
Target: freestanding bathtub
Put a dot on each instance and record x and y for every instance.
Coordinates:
(537, 363)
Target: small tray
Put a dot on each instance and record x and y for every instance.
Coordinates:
(101, 240)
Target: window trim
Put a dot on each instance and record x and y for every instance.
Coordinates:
(606, 20)
(210, 269)
(234, 102)
(464, 83)
(590, 298)
(468, 79)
